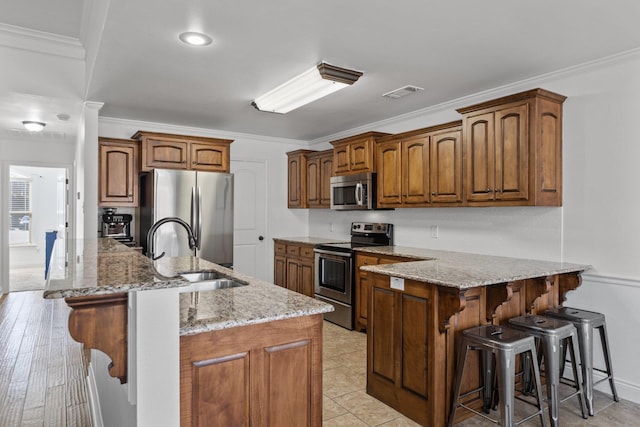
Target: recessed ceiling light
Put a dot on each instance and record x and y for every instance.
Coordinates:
(195, 39)
(33, 126)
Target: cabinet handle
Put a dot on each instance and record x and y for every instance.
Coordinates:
(496, 190)
(488, 190)
(130, 195)
(195, 163)
(433, 194)
(184, 161)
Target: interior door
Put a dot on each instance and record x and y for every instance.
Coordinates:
(250, 243)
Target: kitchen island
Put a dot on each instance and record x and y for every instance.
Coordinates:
(248, 354)
(417, 310)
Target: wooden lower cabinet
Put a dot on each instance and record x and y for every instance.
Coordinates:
(362, 285)
(412, 336)
(269, 374)
(293, 267)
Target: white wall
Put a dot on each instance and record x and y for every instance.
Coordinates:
(598, 223)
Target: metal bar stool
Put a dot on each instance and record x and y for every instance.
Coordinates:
(505, 344)
(585, 322)
(553, 334)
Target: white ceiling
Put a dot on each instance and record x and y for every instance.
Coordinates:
(450, 48)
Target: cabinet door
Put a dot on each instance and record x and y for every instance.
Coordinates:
(293, 274)
(297, 182)
(326, 171)
(313, 182)
(221, 393)
(446, 167)
(415, 171)
(361, 156)
(305, 279)
(512, 153)
(209, 157)
(118, 178)
(480, 165)
(280, 271)
(166, 154)
(389, 167)
(362, 289)
(341, 159)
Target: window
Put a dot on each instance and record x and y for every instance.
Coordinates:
(20, 211)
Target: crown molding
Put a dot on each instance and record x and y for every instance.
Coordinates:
(40, 41)
(507, 89)
(190, 130)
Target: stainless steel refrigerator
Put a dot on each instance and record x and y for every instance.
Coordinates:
(202, 199)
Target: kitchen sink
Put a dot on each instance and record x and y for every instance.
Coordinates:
(201, 276)
(208, 281)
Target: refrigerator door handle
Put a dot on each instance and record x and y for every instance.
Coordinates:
(194, 209)
(199, 236)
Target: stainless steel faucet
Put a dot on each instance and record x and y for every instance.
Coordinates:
(154, 228)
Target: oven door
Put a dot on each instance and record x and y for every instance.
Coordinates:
(334, 275)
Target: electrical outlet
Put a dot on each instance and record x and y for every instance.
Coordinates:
(434, 231)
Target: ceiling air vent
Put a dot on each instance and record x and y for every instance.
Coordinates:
(402, 91)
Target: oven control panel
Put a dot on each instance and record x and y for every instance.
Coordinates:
(369, 227)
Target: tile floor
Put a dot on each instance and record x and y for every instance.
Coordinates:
(26, 279)
(346, 402)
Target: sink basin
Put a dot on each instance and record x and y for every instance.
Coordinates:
(210, 285)
(201, 276)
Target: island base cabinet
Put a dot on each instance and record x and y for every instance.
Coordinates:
(268, 374)
(413, 333)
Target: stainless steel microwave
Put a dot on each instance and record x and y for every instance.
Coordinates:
(353, 192)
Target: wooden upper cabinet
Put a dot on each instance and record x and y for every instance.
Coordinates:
(326, 172)
(118, 172)
(210, 157)
(421, 167)
(513, 150)
(355, 154)
(446, 166)
(167, 151)
(319, 171)
(297, 179)
(389, 167)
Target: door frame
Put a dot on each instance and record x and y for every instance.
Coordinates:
(4, 222)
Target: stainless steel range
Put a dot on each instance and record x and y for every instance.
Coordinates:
(335, 265)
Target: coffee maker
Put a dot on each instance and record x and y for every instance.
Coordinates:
(117, 226)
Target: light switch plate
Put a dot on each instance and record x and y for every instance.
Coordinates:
(397, 283)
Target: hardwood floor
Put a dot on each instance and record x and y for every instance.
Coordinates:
(42, 370)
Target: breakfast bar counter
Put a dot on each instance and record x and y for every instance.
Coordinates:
(145, 316)
(417, 309)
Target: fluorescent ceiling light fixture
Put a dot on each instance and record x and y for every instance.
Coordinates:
(34, 126)
(307, 87)
(195, 39)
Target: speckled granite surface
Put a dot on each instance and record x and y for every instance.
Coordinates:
(104, 266)
(311, 240)
(464, 270)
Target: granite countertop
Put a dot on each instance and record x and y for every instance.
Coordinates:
(104, 266)
(463, 270)
(311, 240)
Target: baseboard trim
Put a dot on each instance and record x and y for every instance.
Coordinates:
(94, 401)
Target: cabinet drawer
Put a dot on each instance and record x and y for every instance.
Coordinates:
(306, 252)
(293, 250)
(280, 248)
(366, 260)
